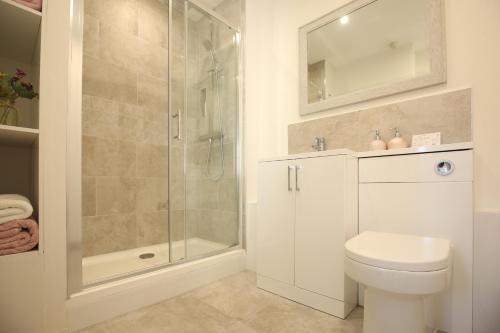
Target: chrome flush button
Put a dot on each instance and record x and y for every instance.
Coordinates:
(444, 167)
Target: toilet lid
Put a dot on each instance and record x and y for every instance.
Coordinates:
(399, 252)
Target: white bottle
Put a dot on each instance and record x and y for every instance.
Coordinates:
(377, 143)
(397, 141)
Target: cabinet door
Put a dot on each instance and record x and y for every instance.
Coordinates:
(319, 226)
(276, 216)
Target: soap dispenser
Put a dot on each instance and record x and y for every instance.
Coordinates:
(397, 141)
(377, 143)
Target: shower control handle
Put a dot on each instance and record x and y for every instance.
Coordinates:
(178, 116)
(290, 168)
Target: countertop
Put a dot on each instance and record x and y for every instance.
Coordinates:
(375, 153)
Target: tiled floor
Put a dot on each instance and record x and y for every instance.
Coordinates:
(231, 305)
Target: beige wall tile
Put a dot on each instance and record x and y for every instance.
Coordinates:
(176, 180)
(100, 124)
(152, 228)
(448, 113)
(193, 188)
(231, 10)
(105, 234)
(111, 120)
(100, 104)
(218, 226)
(91, 36)
(131, 110)
(177, 225)
(89, 196)
(125, 118)
(152, 194)
(152, 161)
(116, 195)
(103, 157)
(119, 13)
(193, 217)
(109, 81)
(153, 60)
(153, 22)
(228, 195)
(153, 93)
(119, 48)
(209, 194)
(155, 133)
(131, 129)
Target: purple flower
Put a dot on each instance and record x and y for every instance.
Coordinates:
(20, 73)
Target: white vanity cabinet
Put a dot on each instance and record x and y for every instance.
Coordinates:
(307, 210)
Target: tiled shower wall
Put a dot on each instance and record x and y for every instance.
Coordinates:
(125, 133)
(125, 125)
(448, 113)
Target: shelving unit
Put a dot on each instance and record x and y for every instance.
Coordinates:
(20, 40)
(21, 281)
(20, 36)
(19, 31)
(18, 136)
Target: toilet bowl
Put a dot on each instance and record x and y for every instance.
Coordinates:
(397, 271)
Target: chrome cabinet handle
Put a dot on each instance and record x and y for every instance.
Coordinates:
(297, 168)
(178, 116)
(290, 189)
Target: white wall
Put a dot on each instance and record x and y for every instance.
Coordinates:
(391, 65)
(272, 79)
(473, 53)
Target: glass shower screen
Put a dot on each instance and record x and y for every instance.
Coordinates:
(204, 132)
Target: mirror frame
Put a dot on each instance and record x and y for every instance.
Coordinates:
(437, 53)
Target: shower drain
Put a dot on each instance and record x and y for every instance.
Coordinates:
(146, 255)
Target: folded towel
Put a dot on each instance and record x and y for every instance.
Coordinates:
(14, 207)
(35, 4)
(18, 236)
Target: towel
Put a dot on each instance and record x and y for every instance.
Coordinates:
(14, 207)
(35, 4)
(18, 236)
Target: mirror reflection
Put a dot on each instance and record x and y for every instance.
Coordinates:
(383, 42)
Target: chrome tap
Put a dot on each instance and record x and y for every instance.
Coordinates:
(319, 144)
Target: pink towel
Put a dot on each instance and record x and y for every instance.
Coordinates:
(18, 236)
(35, 4)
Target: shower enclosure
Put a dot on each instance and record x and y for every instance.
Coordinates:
(160, 137)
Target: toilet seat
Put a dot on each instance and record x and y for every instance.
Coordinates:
(401, 282)
(397, 263)
(399, 252)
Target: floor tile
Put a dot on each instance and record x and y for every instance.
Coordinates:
(231, 305)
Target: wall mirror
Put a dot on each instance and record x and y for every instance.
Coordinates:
(368, 49)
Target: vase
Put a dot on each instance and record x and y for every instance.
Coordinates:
(8, 116)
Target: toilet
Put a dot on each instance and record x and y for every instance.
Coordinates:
(398, 271)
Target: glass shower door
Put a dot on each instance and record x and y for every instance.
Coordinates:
(204, 99)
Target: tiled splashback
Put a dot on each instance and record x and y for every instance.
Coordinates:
(448, 113)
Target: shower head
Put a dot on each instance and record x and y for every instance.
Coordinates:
(210, 48)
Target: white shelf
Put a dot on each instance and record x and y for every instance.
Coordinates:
(28, 256)
(17, 136)
(19, 30)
